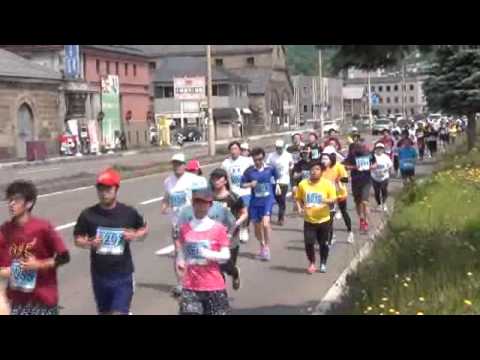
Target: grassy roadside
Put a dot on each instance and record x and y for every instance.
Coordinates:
(427, 261)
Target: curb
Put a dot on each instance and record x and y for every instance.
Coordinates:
(340, 286)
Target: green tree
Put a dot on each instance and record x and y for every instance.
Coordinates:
(453, 86)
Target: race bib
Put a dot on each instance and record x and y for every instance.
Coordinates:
(407, 164)
(315, 154)
(313, 200)
(112, 241)
(191, 252)
(236, 176)
(178, 199)
(21, 280)
(262, 190)
(363, 163)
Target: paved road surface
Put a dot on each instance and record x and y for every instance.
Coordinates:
(277, 287)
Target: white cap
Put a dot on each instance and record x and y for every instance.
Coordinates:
(380, 145)
(244, 146)
(329, 150)
(279, 143)
(179, 157)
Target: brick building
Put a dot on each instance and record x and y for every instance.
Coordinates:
(30, 106)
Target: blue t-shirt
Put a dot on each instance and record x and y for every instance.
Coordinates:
(264, 192)
(407, 157)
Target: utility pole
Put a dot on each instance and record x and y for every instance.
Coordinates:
(322, 100)
(404, 109)
(211, 125)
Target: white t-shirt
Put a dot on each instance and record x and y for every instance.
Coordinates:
(282, 163)
(178, 191)
(235, 170)
(382, 172)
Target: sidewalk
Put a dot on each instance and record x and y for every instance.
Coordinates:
(152, 150)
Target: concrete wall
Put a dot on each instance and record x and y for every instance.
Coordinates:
(44, 102)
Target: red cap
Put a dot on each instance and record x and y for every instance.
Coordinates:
(193, 165)
(108, 177)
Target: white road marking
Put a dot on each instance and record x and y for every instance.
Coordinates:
(66, 226)
(37, 170)
(151, 201)
(65, 191)
(166, 250)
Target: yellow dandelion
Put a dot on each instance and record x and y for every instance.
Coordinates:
(421, 299)
(469, 274)
(384, 299)
(467, 302)
(391, 311)
(420, 313)
(408, 279)
(405, 284)
(381, 306)
(369, 308)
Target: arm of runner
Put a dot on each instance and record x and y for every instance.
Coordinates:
(80, 233)
(139, 231)
(217, 256)
(242, 218)
(299, 200)
(246, 181)
(165, 205)
(331, 195)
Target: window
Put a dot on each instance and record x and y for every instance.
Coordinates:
(305, 108)
(98, 66)
(159, 92)
(396, 111)
(168, 91)
(389, 111)
(412, 111)
(134, 70)
(126, 69)
(312, 108)
(251, 61)
(412, 99)
(388, 100)
(305, 91)
(388, 88)
(380, 88)
(146, 137)
(108, 67)
(215, 90)
(396, 100)
(218, 62)
(412, 87)
(380, 100)
(395, 88)
(116, 68)
(373, 89)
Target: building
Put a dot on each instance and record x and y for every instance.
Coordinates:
(82, 99)
(270, 89)
(355, 102)
(229, 101)
(30, 106)
(308, 94)
(389, 92)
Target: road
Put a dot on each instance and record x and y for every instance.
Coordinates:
(277, 287)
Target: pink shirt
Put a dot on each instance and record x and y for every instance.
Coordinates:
(201, 274)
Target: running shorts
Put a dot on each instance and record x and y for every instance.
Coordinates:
(407, 173)
(361, 191)
(246, 200)
(257, 213)
(113, 292)
(204, 302)
(33, 309)
(316, 233)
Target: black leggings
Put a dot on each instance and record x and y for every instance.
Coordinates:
(230, 267)
(282, 201)
(381, 191)
(342, 205)
(316, 233)
(396, 163)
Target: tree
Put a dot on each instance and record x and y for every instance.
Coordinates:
(453, 86)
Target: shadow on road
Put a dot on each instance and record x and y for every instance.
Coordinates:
(279, 309)
(292, 270)
(283, 229)
(248, 256)
(165, 288)
(296, 248)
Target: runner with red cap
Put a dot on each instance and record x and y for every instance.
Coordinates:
(107, 229)
(193, 166)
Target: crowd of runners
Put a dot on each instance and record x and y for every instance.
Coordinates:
(211, 217)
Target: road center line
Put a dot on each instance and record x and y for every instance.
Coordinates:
(151, 201)
(66, 226)
(166, 250)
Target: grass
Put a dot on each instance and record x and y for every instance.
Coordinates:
(428, 260)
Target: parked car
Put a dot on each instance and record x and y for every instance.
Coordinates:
(330, 125)
(192, 134)
(381, 124)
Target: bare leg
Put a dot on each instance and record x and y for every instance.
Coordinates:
(267, 230)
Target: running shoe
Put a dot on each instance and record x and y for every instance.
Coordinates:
(323, 268)
(311, 269)
(236, 281)
(334, 239)
(267, 256)
(243, 235)
(177, 291)
(361, 225)
(338, 216)
(261, 254)
(365, 226)
(350, 238)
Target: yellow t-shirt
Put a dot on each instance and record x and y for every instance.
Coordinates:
(313, 195)
(334, 174)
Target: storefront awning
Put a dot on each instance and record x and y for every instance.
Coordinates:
(224, 114)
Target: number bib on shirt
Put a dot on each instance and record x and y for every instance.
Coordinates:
(191, 252)
(363, 163)
(407, 164)
(262, 190)
(178, 199)
(112, 241)
(22, 280)
(313, 200)
(315, 154)
(236, 176)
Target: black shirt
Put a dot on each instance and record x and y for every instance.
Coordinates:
(121, 217)
(295, 151)
(302, 169)
(359, 156)
(316, 151)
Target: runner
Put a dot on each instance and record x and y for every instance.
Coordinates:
(453, 133)
(235, 166)
(444, 137)
(107, 229)
(332, 140)
(178, 194)
(408, 157)
(301, 171)
(380, 176)
(421, 142)
(203, 244)
(315, 148)
(260, 178)
(353, 132)
(431, 136)
(282, 161)
(193, 166)
(388, 142)
(295, 147)
(314, 198)
(245, 149)
(337, 173)
(359, 162)
(30, 253)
